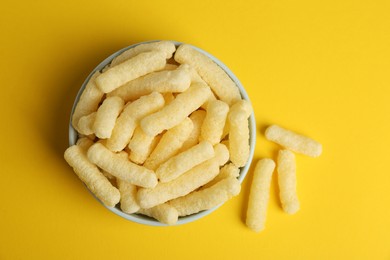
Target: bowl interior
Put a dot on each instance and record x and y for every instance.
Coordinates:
(73, 135)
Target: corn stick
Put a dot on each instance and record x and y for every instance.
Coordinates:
(168, 48)
(177, 80)
(287, 181)
(121, 167)
(207, 198)
(181, 163)
(259, 195)
(214, 122)
(91, 176)
(239, 133)
(295, 142)
(176, 111)
(184, 184)
(106, 116)
(135, 67)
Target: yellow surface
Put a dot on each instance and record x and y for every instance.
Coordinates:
(321, 68)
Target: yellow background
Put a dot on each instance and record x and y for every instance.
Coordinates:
(321, 68)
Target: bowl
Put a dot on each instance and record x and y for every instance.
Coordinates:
(141, 219)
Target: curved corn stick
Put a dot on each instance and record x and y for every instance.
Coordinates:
(168, 48)
(121, 167)
(177, 80)
(184, 184)
(183, 162)
(214, 122)
(239, 133)
(259, 194)
(221, 84)
(176, 111)
(227, 171)
(86, 124)
(130, 69)
(106, 116)
(287, 180)
(207, 198)
(88, 102)
(91, 176)
(197, 118)
(169, 144)
(164, 213)
(128, 200)
(129, 119)
(140, 146)
(293, 141)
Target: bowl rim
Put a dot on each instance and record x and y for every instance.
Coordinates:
(142, 219)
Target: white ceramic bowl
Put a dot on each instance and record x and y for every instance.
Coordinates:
(243, 171)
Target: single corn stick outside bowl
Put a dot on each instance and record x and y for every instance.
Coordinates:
(141, 219)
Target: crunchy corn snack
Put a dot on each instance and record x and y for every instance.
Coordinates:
(130, 69)
(287, 180)
(158, 129)
(167, 47)
(214, 122)
(175, 112)
(179, 164)
(91, 176)
(106, 116)
(207, 198)
(184, 184)
(294, 142)
(239, 133)
(259, 194)
(121, 167)
(165, 81)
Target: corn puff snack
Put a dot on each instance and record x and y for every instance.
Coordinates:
(293, 141)
(287, 181)
(259, 195)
